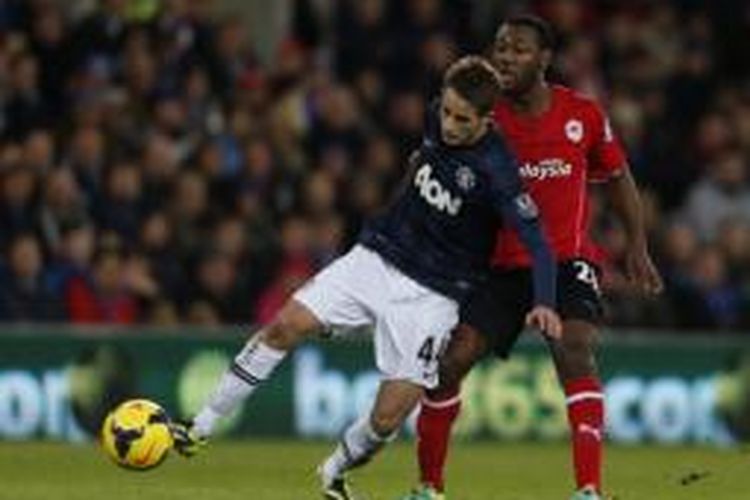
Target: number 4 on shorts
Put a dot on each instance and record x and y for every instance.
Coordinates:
(427, 352)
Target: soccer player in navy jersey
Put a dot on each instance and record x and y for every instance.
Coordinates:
(405, 278)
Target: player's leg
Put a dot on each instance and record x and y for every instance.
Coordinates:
(395, 400)
(329, 299)
(441, 406)
(412, 326)
(574, 356)
(253, 365)
(576, 368)
(492, 320)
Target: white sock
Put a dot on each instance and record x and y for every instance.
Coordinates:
(358, 445)
(254, 364)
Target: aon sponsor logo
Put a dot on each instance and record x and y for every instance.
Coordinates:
(434, 193)
(546, 169)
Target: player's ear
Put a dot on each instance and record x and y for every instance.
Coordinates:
(545, 60)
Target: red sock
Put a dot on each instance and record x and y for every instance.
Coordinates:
(585, 401)
(434, 424)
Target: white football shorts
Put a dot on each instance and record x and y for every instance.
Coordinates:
(411, 323)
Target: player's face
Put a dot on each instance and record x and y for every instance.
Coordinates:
(460, 123)
(519, 58)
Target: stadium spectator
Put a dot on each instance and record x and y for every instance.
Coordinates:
(734, 242)
(24, 293)
(73, 257)
(232, 56)
(722, 194)
(61, 205)
(25, 108)
(218, 286)
(156, 242)
(50, 45)
(295, 267)
(104, 297)
(678, 247)
(86, 157)
(17, 207)
(120, 207)
(705, 296)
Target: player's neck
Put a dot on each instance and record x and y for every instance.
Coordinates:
(480, 134)
(534, 102)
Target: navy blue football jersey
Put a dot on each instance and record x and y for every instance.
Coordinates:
(440, 228)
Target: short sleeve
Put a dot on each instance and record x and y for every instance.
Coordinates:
(606, 156)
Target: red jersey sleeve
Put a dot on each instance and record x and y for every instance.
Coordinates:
(606, 156)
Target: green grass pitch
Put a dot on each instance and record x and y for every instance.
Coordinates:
(283, 470)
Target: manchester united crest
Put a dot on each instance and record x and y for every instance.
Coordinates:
(465, 178)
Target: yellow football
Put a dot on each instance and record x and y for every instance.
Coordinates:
(136, 434)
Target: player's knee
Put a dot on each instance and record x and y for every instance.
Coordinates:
(280, 334)
(575, 353)
(289, 327)
(444, 392)
(465, 348)
(452, 371)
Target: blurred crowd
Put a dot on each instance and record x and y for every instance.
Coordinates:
(154, 170)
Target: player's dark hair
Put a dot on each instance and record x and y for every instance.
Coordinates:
(544, 33)
(474, 79)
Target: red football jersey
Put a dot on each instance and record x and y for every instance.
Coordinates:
(560, 152)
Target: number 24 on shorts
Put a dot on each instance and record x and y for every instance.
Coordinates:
(586, 274)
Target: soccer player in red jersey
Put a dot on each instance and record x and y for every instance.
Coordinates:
(563, 142)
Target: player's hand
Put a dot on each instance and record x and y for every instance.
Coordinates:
(546, 320)
(641, 271)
